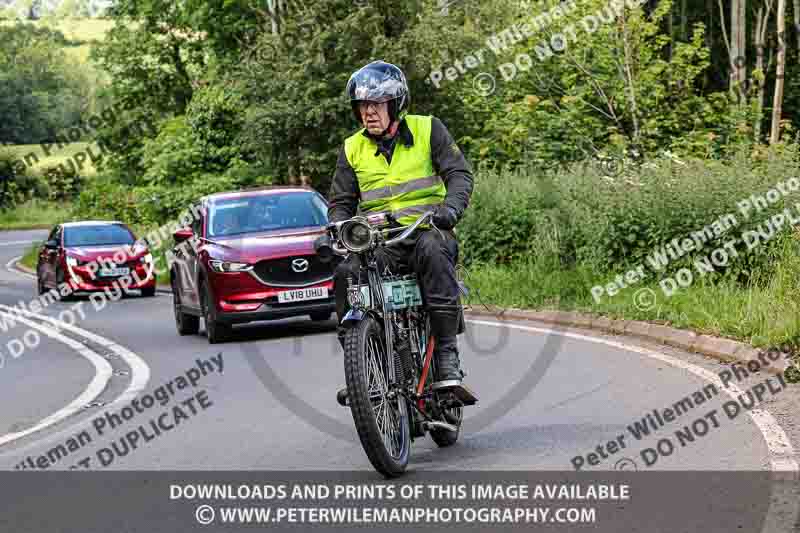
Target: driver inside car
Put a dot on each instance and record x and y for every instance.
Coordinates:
(405, 165)
(259, 217)
(226, 223)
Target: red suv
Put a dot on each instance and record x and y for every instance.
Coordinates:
(91, 256)
(251, 258)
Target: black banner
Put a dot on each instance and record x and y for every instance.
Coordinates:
(128, 502)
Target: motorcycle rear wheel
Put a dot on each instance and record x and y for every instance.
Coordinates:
(383, 424)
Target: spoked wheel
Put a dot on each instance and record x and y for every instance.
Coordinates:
(381, 417)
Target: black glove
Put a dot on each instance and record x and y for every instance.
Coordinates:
(445, 217)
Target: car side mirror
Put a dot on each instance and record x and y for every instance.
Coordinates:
(182, 235)
(52, 244)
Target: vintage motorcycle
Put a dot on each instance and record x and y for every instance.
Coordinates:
(389, 369)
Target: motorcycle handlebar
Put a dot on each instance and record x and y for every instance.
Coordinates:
(341, 250)
(409, 230)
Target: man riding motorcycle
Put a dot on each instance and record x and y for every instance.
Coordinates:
(405, 165)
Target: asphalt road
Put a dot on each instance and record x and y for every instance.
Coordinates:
(544, 397)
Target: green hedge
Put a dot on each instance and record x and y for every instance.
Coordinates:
(580, 216)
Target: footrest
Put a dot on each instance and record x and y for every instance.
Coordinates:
(341, 397)
(459, 390)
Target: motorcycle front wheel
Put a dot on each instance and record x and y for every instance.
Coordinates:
(381, 418)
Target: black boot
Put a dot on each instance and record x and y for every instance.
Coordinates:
(447, 361)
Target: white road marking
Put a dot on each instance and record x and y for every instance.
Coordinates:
(11, 268)
(782, 456)
(14, 243)
(140, 372)
(102, 375)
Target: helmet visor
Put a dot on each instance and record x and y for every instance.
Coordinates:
(373, 89)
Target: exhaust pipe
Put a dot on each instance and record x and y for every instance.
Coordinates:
(433, 424)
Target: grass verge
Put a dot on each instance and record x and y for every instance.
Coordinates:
(763, 315)
(34, 214)
(159, 251)
(31, 256)
(35, 159)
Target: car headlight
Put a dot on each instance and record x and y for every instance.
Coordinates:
(226, 266)
(146, 259)
(356, 235)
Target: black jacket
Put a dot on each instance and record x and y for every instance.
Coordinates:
(448, 162)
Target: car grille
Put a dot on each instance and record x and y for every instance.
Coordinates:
(279, 271)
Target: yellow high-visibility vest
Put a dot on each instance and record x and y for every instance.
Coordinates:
(406, 188)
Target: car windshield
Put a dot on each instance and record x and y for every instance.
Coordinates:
(99, 235)
(237, 216)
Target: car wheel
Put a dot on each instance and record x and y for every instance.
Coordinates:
(186, 324)
(320, 316)
(216, 332)
(60, 281)
(149, 292)
(40, 288)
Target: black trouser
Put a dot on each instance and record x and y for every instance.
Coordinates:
(433, 259)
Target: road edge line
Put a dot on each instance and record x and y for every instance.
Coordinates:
(140, 371)
(719, 348)
(14, 267)
(782, 455)
(97, 385)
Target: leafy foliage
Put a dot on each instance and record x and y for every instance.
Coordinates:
(580, 217)
(63, 182)
(16, 185)
(40, 92)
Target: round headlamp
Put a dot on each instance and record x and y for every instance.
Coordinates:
(356, 235)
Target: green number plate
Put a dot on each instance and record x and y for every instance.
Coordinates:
(398, 294)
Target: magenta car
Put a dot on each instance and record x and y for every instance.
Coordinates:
(252, 259)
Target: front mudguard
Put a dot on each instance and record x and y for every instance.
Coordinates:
(354, 316)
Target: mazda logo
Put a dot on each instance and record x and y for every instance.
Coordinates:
(300, 265)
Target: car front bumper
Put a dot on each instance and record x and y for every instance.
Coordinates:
(269, 311)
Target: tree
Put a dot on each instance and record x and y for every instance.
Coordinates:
(759, 40)
(294, 80)
(777, 102)
(40, 94)
(797, 22)
(737, 46)
(73, 9)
